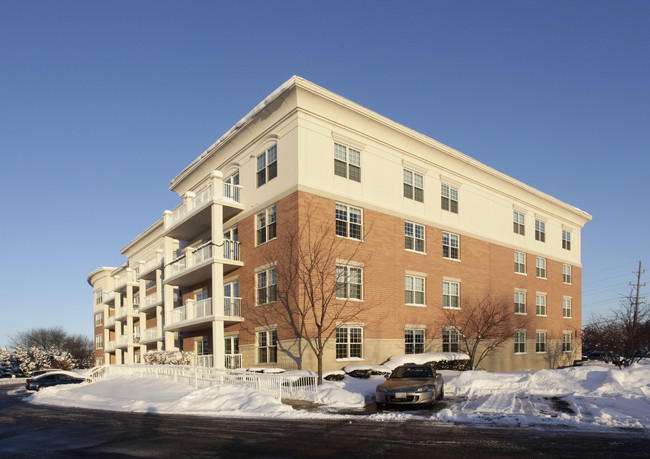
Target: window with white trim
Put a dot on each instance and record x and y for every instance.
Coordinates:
(347, 162)
(267, 165)
(566, 274)
(267, 346)
(520, 342)
(414, 290)
(265, 225)
(540, 304)
(232, 233)
(99, 341)
(414, 341)
(231, 187)
(349, 221)
(231, 345)
(202, 345)
(266, 286)
(349, 342)
(231, 300)
(449, 198)
(520, 262)
(414, 237)
(413, 185)
(540, 341)
(566, 239)
(540, 231)
(450, 295)
(450, 245)
(99, 319)
(520, 302)
(99, 294)
(519, 223)
(349, 282)
(540, 265)
(566, 308)
(450, 339)
(566, 341)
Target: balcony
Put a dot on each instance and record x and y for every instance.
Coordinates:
(109, 297)
(110, 322)
(150, 335)
(110, 346)
(127, 278)
(233, 361)
(124, 311)
(147, 269)
(196, 265)
(194, 215)
(122, 341)
(196, 315)
(151, 301)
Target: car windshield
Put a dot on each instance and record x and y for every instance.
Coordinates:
(413, 372)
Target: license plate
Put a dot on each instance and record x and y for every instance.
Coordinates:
(400, 395)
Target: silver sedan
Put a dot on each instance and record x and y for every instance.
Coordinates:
(411, 384)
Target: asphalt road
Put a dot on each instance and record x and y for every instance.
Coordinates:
(28, 430)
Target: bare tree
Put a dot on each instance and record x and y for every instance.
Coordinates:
(56, 340)
(483, 326)
(314, 286)
(624, 337)
(557, 353)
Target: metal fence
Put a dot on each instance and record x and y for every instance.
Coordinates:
(287, 386)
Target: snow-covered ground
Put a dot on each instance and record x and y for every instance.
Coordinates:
(593, 395)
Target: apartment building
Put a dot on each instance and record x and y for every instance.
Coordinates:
(432, 227)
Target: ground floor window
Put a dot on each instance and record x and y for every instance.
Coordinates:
(232, 345)
(450, 339)
(99, 361)
(520, 342)
(267, 346)
(201, 346)
(349, 342)
(414, 341)
(540, 341)
(566, 341)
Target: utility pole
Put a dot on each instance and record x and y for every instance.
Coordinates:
(638, 299)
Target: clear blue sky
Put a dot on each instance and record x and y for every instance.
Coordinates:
(103, 103)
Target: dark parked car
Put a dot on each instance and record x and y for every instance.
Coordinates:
(52, 379)
(411, 384)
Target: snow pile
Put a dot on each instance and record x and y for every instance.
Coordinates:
(594, 395)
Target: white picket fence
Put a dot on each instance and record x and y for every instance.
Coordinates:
(288, 386)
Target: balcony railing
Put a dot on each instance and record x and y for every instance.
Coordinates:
(121, 312)
(152, 299)
(108, 297)
(150, 334)
(122, 280)
(191, 311)
(204, 360)
(230, 191)
(149, 265)
(110, 322)
(233, 361)
(110, 346)
(232, 307)
(229, 251)
(122, 340)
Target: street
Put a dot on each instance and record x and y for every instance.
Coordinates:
(28, 430)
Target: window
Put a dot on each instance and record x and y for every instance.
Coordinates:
(202, 345)
(266, 286)
(540, 304)
(540, 231)
(449, 198)
(232, 234)
(349, 282)
(99, 341)
(566, 239)
(566, 274)
(566, 341)
(231, 300)
(267, 346)
(414, 237)
(99, 361)
(520, 342)
(349, 342)
(450, 339)
(540, 265)
(231, 187)
(267, 165)
(450, 245)
(99, 319)
(265, 224)
(519, 223)
(450, 295)
(202, 294)
(348, 221)
(414, 289)
(540, 341)
(99, 297)
(520, 302)
(566, 307)
(520, 262)
(347, 162)
(232, 345)
(414, 341)
(413, 185)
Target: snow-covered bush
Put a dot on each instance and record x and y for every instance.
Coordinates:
(168, 358)
(6, 363)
